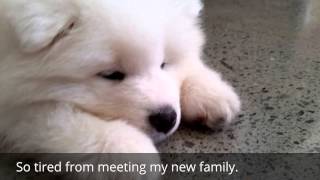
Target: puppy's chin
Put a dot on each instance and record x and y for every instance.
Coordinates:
(158, 137)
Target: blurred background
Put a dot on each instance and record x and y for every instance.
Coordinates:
(269, 50)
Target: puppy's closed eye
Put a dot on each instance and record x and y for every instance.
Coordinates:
(163, 65)
(113, 76)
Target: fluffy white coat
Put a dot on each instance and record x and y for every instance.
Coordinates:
(51, 99)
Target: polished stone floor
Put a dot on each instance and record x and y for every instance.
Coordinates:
(270, 52)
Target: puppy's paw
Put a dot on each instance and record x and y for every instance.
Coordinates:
(208, 100)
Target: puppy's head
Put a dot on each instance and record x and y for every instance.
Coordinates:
(118, 60)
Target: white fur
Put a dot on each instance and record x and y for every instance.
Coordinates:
(51, 99)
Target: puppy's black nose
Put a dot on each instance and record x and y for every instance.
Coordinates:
(164, 119)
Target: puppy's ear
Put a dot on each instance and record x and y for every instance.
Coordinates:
(38, 23)
(191, 7)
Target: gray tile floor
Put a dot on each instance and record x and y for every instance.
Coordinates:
(270, 51)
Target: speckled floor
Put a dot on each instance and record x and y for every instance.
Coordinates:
(270, 51)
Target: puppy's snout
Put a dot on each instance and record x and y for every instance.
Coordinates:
(164, 119)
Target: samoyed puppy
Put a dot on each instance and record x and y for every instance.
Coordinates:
(109, 76)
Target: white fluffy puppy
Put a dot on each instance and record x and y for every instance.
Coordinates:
(104, 75)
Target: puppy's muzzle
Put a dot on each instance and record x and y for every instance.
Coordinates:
(163, 119)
